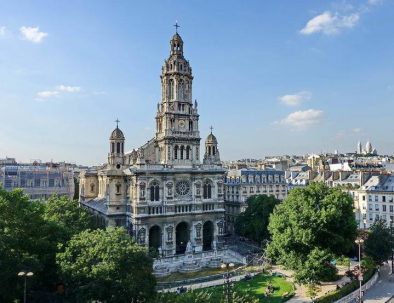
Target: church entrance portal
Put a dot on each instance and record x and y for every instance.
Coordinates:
(207, 235)
(182, 237)
(154, 238)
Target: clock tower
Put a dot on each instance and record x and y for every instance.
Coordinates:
(177, 134)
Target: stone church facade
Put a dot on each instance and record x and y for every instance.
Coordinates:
(162, 192)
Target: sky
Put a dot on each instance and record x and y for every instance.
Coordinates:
(272, 77)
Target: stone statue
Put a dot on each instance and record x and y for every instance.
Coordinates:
(189, 248)
(160, 251)
(140, 153)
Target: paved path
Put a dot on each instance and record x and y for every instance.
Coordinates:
(383, 290)
(206, 284)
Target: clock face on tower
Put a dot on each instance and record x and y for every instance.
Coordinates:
(182, 124)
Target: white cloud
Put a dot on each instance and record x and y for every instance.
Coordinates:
(302, 119)
(329, 23)
(68, 89)
(32, 34)
(296, 98)
(356, 130)
(58, 91)
(47, 94)
(374, 2)
(2, 30)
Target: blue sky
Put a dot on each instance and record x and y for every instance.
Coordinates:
(272, 77)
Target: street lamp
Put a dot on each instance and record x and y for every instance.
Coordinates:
(25, 275)
(360, 275)
(392, 248)
(227, 266)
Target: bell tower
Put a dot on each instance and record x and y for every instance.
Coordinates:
(116, 147)
(211, 155)
(177, 134)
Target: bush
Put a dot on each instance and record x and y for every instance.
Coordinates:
(345, 290)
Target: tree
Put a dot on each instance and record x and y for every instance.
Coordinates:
(317, 267)
(66, 213)
(253, 223)
(27, 242)
(312, 225)
(379, 243)
(106, 265)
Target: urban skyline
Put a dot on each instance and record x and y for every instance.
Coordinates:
(316, 76)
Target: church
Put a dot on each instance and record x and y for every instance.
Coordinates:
(163, 193)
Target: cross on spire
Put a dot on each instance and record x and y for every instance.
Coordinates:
(211, 129)
(117, 122)
(176, 26)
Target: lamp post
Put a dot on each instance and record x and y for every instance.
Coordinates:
(25, 275)
(360, 275)
(227, 266)
(392, 248)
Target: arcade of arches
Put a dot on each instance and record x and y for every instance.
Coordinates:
(182, 237)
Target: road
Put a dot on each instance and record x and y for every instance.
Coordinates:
(383, 289)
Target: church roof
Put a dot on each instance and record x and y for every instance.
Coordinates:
(117, 134)
(177, 37)
(211, 139)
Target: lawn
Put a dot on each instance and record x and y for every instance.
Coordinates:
(256, 287)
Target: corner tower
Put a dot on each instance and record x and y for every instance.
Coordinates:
(116, 147)
(177, 134)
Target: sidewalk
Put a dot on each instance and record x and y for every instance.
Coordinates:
(207, 284)
(383, 290)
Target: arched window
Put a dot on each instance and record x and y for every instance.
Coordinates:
(118, 148)
(92, 188)
(213, 150)
(171, 88)
(180, 90)
(112, 147)
(207, 194)
(122, 148)
(154, 191)
(190, 125)
(209, 151)
(182, 149)
(188, 152)
(117, 188)
(176, 152)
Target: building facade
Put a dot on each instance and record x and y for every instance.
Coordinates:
(243, 183)
(37, 180)
(374, 201)
(162, 192)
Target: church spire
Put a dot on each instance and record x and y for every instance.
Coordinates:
(177, 117)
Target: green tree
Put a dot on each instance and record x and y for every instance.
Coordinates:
(314, 223)
(379, 243)
(27, 242)
(106, 265)
(317, 267)
(253, 223)
(66, 213)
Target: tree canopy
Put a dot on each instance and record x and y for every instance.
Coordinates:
(106, 265)
(66, 213)
(314, 223)
(379, 243)
(253, 223)
(30, 232)
(27, 243)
